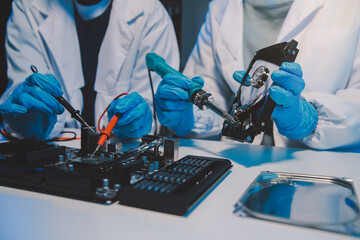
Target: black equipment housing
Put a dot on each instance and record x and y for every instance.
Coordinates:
(253, 118)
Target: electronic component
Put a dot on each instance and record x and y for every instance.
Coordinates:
(104, 177)
(251, 117)
(177, 187)
(44, 167)
(247, 119)
(29, 151)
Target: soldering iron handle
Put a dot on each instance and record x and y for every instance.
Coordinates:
(66, 105)
(158, 64)
(61, 99)
(197, 96)
(74, 113)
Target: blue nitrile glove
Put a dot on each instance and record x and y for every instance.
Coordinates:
(173, 106)
(238, 76)
(136, 118)
(32, 109)
(294, 117)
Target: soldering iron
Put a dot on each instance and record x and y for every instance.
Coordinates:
(197, 95)
(74, 113)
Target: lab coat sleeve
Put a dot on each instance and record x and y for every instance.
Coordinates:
(158, 37)
(202, 62)
(23, 48)
(339, 113)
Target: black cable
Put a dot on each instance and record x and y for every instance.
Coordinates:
(8, 136)
(56, 139)
(153, 97)
(63, 140)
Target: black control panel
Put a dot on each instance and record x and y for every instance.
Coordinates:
(177, 187)
(148, 176)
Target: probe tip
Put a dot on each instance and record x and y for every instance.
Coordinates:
(96, 149)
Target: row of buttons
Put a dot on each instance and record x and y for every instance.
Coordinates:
(169, 179)
(196, 162)
(162, 187)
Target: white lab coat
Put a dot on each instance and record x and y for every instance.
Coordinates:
(328, 36)
(43, 33)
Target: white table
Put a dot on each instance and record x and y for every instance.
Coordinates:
(30, 215)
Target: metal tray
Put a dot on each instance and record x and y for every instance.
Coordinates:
(321, 202)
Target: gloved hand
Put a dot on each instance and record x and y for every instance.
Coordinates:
(294, 117)
(239, 75)
(136, 117)
(173, 106)
(31, 109)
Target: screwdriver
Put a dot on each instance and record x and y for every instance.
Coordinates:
(105, 135)
(74, 113)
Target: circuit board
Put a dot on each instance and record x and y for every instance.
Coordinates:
(105, 177)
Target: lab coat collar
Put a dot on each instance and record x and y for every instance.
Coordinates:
(128, 10)
(296, 20)
(128, 14)
(60, 36)
(115, 46)
(42, 6)
(231, 29)
(228, 43)
(299, 16)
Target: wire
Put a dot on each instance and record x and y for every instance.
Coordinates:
(8, 135)
(153, 97)
(55, 139)
(64, 139)
(98, 125)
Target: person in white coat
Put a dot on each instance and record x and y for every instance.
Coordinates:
(47, 34)
(328, 33)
